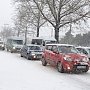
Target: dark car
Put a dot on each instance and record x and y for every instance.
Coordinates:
(31, 52)
(2, 45)
(84, 50)
(65, 57)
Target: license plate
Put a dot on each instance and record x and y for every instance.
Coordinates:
(39, 56)
(83, 63)
(81, 67)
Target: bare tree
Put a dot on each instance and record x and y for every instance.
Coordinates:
(22, 21)
(37, 18)
(63, 12)
(6, 32)
(34, 16)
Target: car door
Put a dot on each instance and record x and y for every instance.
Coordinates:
(47, 52)
(53, 55)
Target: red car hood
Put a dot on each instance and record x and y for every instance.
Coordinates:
(76, 56)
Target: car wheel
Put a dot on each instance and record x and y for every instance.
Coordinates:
(11, 51)
(86, 70)
(7, 49)
(60, 67)
(3, 49)
(28, 58)
(21, 55)
(44, 63)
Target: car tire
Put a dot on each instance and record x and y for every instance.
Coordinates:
(11, 51)
(3, 49)
(7, 49)
(28, 58)
(86, 70)
(44, 63)
(60, 67)
(21, 55)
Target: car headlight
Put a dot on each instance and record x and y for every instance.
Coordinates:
(2, 45)
(32, 54)
(86, 59)
(13, 47)
(67, 58)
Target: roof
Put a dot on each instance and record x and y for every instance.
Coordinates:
(83, 47)
(1, 41)
(32, 45)
(60, 44)
(45, 38)
(15, 38)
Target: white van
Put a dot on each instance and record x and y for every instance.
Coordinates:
(43, 40)
(14, 44)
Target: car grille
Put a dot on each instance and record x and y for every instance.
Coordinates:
(81, 68)
(18, 49)
(39, 55)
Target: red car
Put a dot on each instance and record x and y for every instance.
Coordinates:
(65, 57)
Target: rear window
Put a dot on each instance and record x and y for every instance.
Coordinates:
(34, 48)
(37, 41)
(67, 49)
(18, 42)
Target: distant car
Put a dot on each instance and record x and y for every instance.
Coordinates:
(65, 57)
(84, 50)
(2, 45)
(14, 44)
(31, 52)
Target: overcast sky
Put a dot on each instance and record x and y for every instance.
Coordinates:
(6, 15)
(6, 12)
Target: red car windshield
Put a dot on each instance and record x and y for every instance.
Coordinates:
(67, 49)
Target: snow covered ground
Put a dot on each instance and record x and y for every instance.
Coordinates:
(17, 73)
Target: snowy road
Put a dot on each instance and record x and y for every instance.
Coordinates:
(17, 73)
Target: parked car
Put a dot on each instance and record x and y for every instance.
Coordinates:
(2, 45)
(31, 51)
(14, 44)
(65, 57)
(84, 50)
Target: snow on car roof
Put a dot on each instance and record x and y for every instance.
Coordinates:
(83, 47)
(1, 41)
(45, 38)
(61, 44)
(32, 45)
(15, 38)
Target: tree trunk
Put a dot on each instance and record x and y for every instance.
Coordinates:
(37, 31)
(57, 34)
(18, 33)
(25, 36)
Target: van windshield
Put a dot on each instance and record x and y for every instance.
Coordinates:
(34, 48)
(49, 42)
(20, 42)
(67, 49)
(37, 41)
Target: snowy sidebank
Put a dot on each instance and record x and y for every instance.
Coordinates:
(18, 73)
